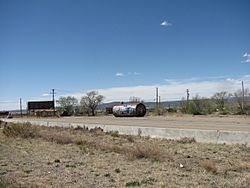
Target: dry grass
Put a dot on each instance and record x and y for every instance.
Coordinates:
(6, 184)
(2, 123)
(59, 137)
(114, 133)
(209, 165)
(24, 130)
(67, 136)
(60, 157)
(145, 150)
(130, 138)
(186, 140)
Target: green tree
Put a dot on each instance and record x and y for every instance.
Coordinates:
(67, 104)
(90, 101)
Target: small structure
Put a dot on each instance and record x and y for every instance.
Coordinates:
(129, 110)
(41, 108)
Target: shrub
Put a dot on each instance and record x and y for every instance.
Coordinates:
(57, 161)
(117, 170)
(130, 138)
(23, 130)
(6, 184)
(114, 133)
(133, 184)
(172, 110)
(186, 140)
(197, 106)
(159, 110)
(79, 128)
(149, 181)
(63, 139)
(58, 135)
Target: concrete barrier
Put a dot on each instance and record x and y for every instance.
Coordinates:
(205, 136)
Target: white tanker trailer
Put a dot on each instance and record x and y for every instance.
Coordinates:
(129, 110)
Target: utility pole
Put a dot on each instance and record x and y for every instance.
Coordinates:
(187, 98)
(157, 97)
(21, 107)
(53, 99)
(243, 96)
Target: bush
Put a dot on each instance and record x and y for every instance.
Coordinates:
(172, 110)
(23, 130)
(159, 111)
(63, 139)
(114, 133)
(186, 140)
(130, 138)
(133, 184)
(6, 184)
(198, 106)
(59, 137)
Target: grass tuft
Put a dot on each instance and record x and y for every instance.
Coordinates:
(114, 133)
(130, 138)
(24, 130)
(133, 184)
(147, 151)
(209, 166)
(186, 140)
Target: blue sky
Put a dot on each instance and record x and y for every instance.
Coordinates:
(122, 48)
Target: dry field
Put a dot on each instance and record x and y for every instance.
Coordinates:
(33, 156)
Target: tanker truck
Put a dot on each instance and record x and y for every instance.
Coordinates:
(129, 110)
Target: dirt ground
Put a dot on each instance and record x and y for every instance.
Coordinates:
(57, 157)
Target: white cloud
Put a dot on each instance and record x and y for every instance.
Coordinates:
(45, 94)
(137, 73)
(247, 57)
(172, 92)
(193, 79)
(173, 89)
(119, 74)
(165, 23)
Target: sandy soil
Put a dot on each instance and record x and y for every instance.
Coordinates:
(76, 158)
